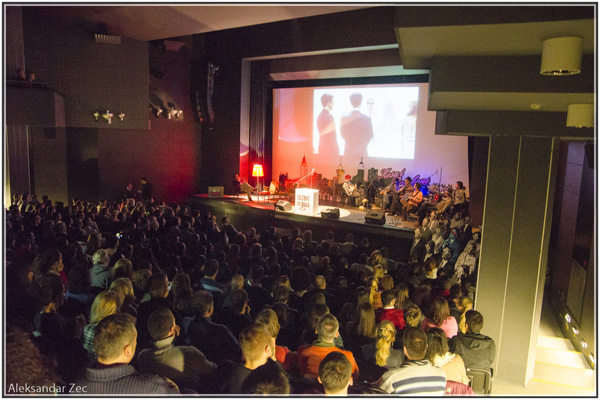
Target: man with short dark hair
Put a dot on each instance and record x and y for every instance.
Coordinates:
(209, 283)
(310, 356)
(158, 288)
(476, 350)
(388, 312)
(416, 376)
(328, 145)
(214, 340)
(335, 373)
(115, 344)
(185, 365)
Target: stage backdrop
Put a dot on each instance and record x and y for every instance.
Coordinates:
(388, 126)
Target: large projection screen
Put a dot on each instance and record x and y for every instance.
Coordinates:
(387, 126)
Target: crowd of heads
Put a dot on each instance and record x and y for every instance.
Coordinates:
(101, 262)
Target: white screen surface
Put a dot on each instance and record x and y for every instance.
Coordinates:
(401, 138)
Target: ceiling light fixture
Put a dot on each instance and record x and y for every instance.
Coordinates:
(580, 116)
(562, 56)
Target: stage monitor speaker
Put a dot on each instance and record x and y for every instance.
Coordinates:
(375, 218)
(331, 213)
(283, 205)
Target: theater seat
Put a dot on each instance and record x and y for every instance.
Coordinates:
(481, 380)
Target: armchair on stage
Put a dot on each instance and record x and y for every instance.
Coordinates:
(274, 191)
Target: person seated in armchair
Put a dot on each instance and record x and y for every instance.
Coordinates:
(245, 187)
(352, 191)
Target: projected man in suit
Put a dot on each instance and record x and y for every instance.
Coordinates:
(356, 129)
(328, 145)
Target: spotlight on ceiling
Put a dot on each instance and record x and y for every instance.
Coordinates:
(562, 56)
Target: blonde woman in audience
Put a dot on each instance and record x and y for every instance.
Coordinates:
(105, 304)
(374, 259)
(122, 269)
(372, 285)
(380, 355)
(464, 304)
(439, 355)
(126, 298)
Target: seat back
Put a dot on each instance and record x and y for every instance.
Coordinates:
(458, 389)
(481, 380)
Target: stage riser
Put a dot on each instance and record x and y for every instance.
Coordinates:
(243, 217)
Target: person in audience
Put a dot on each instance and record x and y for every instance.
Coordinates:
(115, 344)
(389, 311)
(335, 374)
(257, 295)
(49, 262)
(441, 318)
(209, 283)
(464, 304)
(215, 341)
(476, 350)
(362, 329)
(416, 376)
(184, 365)
(310, 356)
(237, 317)
(126, 299)
(267, 379)
(438, 353)
(58, 337)
(380, 356)
(106, 303)
(257, 347)
(283, 355)
(100, 272)
(158, 288)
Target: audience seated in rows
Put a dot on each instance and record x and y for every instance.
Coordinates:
(253, 312)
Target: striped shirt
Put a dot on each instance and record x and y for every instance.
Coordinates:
(415, 378)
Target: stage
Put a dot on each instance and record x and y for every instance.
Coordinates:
(261, 214)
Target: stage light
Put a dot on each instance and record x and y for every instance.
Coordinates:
(568, 318)
(562, 56)
(107, 116)
(583, 344)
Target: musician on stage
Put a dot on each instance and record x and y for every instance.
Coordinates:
(395, 191)
(352, 191)
(245, 187)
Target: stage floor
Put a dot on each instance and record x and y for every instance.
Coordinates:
(347, 213)
(395, 234)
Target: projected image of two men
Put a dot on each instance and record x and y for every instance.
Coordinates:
(367, 122)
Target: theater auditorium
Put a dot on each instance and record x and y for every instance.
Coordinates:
(289, 199)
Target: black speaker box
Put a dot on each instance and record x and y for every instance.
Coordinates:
(283, 205)
(375, 218)
(331, 213)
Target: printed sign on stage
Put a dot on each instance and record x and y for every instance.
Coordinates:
(307, 202)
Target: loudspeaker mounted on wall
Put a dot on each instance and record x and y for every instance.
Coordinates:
(375, 218)
(283, 205)
(331, 213)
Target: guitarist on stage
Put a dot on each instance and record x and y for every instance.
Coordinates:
(352, 191)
